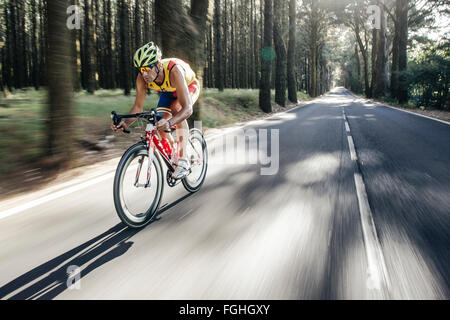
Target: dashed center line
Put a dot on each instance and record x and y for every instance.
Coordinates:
(351, 146)
(377, 278)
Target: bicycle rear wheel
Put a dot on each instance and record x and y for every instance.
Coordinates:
(197, 154)
(136, 204)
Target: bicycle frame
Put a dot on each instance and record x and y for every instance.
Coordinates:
(152, 141)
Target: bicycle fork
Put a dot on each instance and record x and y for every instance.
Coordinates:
(150, 160)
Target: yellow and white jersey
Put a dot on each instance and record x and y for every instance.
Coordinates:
(168, 65)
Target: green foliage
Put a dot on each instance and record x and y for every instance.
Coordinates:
(429, 77)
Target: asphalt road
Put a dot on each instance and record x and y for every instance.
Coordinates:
(297, 233)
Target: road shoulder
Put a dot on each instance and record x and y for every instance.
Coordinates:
(438, 115)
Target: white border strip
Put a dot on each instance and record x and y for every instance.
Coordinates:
(398, 109)
(414, 113)
(55, 195)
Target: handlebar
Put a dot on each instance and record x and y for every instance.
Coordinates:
(151, 116)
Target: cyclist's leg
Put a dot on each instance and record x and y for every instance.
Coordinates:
(183, 127)
(164, 107)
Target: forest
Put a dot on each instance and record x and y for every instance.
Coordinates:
(392, 50)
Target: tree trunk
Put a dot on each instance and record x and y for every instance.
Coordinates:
(252, 79)
(21, 53)
(210, 58)
(98, 35)
(380, 68)
(256, 49)
(402, 52)
(314, 50)
(218, 45)
(358, 65)
(147, 25)
(88, 47)
(225, 46)
(2, 63)
(177, 34)
(7, 53)
(42, 43)
(137, 24)
(125, 63)
(14, 52)
(266, 63)
(59, 73)
(233, 48)
(280, 74)
(237, 77)
(245, 46)
(374, 61)
(74, 62)
(34, 52)
(394, 68)
(199, 10)
(111, 65)
(292, 86)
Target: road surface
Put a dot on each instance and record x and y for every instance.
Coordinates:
(356, 208)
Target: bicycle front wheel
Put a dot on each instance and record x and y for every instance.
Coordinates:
(197, 154)
(136, 201)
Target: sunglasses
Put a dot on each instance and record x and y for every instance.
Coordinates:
(146, 69)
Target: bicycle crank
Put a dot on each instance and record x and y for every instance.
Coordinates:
(172, 182)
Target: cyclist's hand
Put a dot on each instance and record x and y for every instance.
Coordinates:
(120, 127)
(162, 124)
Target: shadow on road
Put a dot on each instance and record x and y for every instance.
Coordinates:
(39, 284)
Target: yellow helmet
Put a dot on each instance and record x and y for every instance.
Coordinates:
(147, 55)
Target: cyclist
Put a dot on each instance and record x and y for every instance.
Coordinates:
(179, 90)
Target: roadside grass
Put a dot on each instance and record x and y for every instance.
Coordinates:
(23, 120)
(233, 105)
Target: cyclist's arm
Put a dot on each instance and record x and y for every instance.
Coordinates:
(177, 79)
(138, 106)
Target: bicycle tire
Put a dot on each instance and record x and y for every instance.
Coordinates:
(138, 149)
(197, 134)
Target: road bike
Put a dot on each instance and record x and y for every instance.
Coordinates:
(139, 178)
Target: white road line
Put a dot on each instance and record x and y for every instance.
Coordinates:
(416, 114)
(54, 196)
(347, 128)
(351, 146)
(377, 273)
(413, 113)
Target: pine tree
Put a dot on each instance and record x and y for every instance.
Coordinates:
(292, 86)
(280, 72)
(264, 91)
